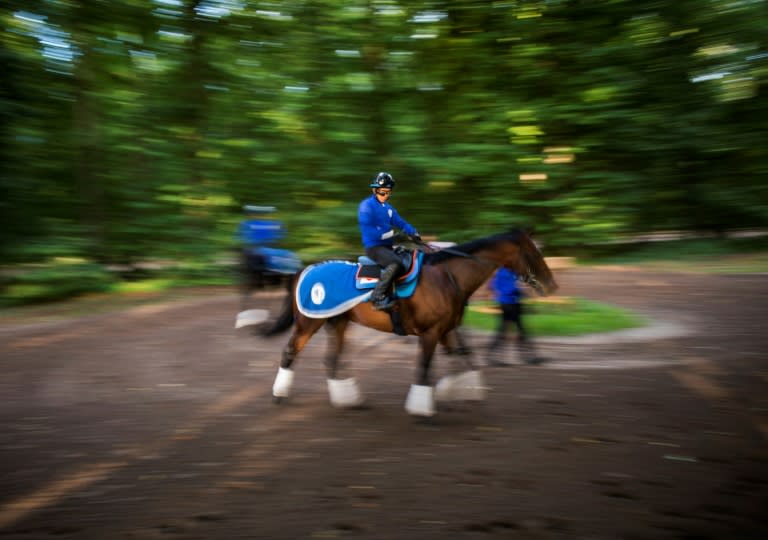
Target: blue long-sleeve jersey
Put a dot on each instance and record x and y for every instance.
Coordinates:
(260, 231)
(505, 288)
(377, 222)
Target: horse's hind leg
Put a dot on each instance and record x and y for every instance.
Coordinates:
(304, 329)
(342, 392)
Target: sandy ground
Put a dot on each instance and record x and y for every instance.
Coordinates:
(155, 421)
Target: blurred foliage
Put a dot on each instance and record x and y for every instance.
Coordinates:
(681, 249)
(135, 130)
(731, 256)
(62, 279)
(56, 281)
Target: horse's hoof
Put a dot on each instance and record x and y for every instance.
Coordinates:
(277, 400)
(364, 406)
(426, 421)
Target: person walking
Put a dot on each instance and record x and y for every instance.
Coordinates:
(508, 296)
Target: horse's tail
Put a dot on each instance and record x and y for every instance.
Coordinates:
(285, 320)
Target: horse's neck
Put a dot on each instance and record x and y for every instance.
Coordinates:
(470, 273)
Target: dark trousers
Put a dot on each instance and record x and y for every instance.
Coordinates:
(254, 261)
(511, 315)
(384, 256)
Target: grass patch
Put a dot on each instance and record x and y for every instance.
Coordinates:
(143, 286)
(558, 316)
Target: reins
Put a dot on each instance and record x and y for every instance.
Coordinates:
(429, 249)
(529, 278)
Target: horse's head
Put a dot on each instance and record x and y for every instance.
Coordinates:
(532, 268)
(513, 249)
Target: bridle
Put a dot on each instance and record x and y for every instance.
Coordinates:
(530, 279)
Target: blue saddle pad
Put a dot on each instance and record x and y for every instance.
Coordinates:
(332, 287)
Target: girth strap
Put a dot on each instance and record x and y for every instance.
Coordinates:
(397, 321)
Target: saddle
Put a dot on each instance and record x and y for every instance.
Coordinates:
(369, 271)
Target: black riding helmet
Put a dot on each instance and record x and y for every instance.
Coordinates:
(383, 180)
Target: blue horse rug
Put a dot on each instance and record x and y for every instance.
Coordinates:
(332, 287)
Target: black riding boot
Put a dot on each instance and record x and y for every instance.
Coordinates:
(380, 297)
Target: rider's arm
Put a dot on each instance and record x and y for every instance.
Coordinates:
(401, 224)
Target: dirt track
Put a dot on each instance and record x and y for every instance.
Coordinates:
(156, 422)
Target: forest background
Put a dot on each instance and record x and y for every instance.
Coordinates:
(136, 130)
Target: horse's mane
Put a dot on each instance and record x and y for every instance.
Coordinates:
(473, 246)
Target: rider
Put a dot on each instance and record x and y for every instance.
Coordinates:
(377, 218)
(256, 232)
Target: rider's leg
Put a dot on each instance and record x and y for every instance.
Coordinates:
(384, 256)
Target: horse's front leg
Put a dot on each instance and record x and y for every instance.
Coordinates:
(455, 343)
(343, 392)
(421, 397)
(465, 383)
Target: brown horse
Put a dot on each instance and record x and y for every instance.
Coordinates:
(448, 278)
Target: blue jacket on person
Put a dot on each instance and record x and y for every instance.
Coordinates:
(377, 223)
(260, 232)
(504, 286)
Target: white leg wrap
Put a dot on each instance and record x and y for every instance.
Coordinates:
(283, 383)
(344, 392)
(444, 388)
(251, 316)
(466, 386)
(420, 400)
